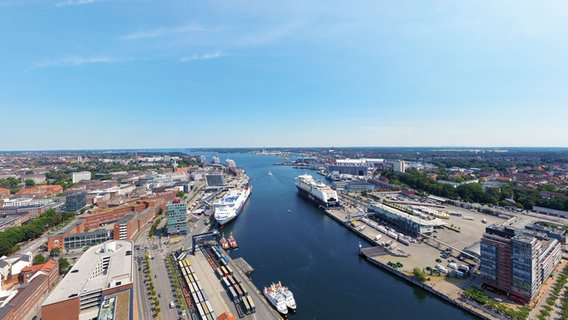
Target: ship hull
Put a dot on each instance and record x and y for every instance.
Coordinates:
(315, 200)
(238, 211)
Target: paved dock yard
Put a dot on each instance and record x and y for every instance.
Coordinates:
(219, 297)
(426, 253)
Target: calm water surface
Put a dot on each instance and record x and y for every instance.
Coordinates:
(316, 257)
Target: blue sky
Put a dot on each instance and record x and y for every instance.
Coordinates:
(82, 74)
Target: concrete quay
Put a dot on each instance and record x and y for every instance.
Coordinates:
(419, 255)
(219, 296)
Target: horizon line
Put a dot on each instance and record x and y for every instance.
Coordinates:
(285, 147)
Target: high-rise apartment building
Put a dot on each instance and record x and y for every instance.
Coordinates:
(177, 216)
(399, 166)
(518, 255)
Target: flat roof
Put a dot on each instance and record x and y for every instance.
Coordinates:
(103, 266)
(434, 222)
(68, 227)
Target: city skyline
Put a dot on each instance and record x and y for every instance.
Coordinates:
(135, 74)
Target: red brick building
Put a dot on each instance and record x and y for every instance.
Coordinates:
(37, 282)
(41, 191)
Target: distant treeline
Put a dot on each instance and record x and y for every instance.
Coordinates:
(473, 192)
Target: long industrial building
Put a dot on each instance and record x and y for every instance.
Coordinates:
(518, 255)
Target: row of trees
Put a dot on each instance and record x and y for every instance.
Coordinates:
(33, 229)
(476, 294)
(473, 192)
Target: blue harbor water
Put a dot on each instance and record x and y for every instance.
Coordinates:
(290, 240)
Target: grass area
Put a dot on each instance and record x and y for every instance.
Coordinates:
(177, 281)
(151, 287)
(476, 294)
(546, 310)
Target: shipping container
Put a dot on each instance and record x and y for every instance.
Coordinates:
(246, 306)
(232, 293)
(199, 296)
(232, 280)
(205, 297)
(219, 273)
(204, 306)
(199, 285)
(245, 292)
(252, 306)
(239, 291)
(225, 271)
(229, 269)
(200, 309)
(209, 306)
(225, 282)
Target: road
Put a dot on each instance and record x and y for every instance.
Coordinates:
(159, 249)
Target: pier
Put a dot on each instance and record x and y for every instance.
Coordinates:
(204, 265)
(244, 266)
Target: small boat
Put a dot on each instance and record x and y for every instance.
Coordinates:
(289, 210)
(232, 242)
(269, 172)
(224, 243)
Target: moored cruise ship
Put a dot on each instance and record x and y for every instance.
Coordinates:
(316, 191)
(288, 296)
(272, 293)
(231, 205)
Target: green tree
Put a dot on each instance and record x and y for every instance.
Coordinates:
(63, 264)
(419, 274)
(55, 252)
(10, 183)
(180, 194)
(39, 259)
(29, 183)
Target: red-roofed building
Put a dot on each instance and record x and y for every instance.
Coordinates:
(4, 192)
(50, 268)
(41, 191)
(38, 282)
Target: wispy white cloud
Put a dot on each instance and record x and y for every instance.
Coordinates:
(72, 61)
(163, 31)
(205, 56)
(75, 2)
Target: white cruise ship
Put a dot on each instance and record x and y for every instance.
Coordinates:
(272, 293)
(231, 205)
(316, 191)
